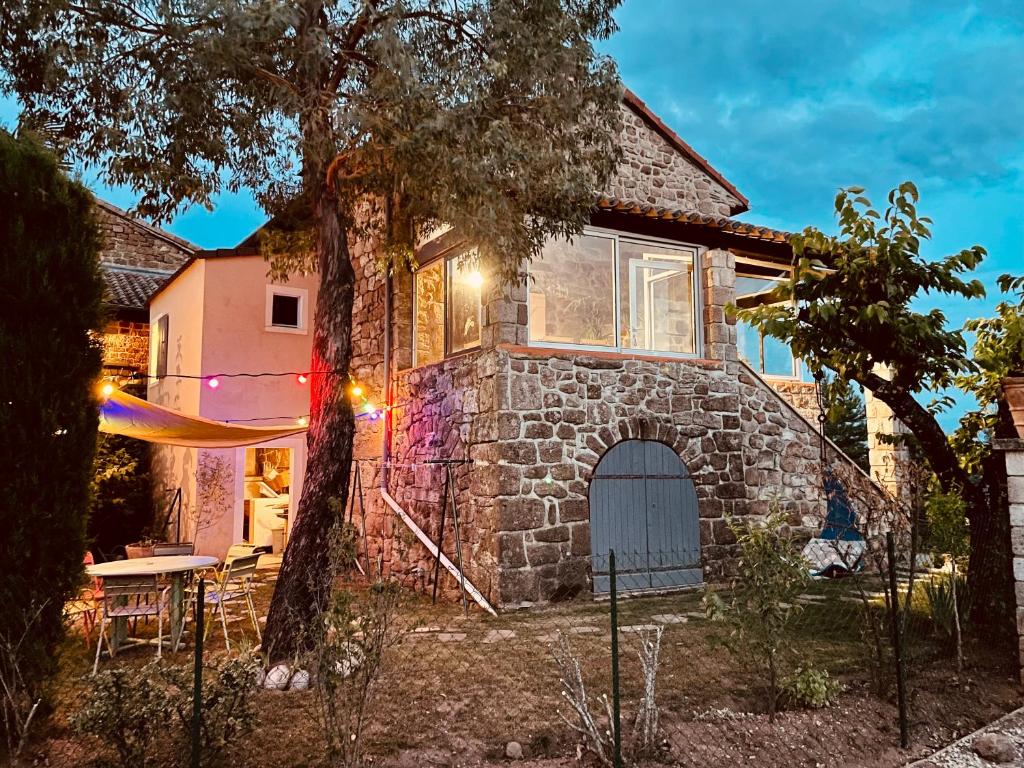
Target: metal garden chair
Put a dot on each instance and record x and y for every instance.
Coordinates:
(234, 582)
(127, 597)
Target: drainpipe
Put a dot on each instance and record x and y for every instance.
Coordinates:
(385, 469)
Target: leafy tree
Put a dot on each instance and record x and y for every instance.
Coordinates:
(122, 494)
(50, 299)
(855, 313)
(353, 122)
(846, 420)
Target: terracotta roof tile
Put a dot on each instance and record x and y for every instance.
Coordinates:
(130, 288)
(741, 228)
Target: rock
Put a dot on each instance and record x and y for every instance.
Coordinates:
(514, 750)
(277, 678)
(300, 681)
(996, 748)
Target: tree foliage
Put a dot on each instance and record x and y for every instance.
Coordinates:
(852, 309)
(846, 420)
(50, 295)
(354, 122)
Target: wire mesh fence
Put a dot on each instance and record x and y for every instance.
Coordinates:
(790, 660)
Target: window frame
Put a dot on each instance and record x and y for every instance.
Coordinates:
(445, 257)
(697, 305)
(796, 374)
(302, 295)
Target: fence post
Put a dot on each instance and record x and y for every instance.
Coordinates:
(197, 686)
(897, 642)
(616, 714)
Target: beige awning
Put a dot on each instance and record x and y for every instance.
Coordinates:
(124, 414)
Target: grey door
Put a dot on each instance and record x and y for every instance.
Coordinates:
(643, 505)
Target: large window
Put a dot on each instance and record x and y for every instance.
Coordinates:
(447, 308)
(755, 282)
(572, 292)
(620, 293)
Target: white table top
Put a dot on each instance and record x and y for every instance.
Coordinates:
(152, 566)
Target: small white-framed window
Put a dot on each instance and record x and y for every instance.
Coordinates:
(755, 283)
(158, 334)
(447, 306)
(287, 309)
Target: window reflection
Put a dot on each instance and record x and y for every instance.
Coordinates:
(572, 292)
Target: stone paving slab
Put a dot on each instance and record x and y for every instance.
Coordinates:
(960, 754)
(669, 618)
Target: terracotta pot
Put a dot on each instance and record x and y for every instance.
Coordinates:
(1013, 391)
(135, 551)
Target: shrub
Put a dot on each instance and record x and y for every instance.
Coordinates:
(760, 608)
(128, 709)
(48, 411)
(227, 712)
(812, 688)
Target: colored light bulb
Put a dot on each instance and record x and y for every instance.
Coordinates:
(302, 378)
(213, 382)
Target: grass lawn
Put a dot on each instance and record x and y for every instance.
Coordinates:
(455, 690)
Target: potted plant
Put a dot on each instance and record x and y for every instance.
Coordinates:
(141, 548)
(1013, 393)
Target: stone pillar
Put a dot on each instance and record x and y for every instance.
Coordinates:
(884, 457)
(505, 314)
(719, 284)
(1013, 453)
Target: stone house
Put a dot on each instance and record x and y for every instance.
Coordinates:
(606, 400)
(136, 258)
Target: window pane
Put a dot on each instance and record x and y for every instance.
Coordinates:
(429, 288)
(748, 344)
(464, 283)
(754, 284)
(656, 297)
(572, 293)
(778, 357)
(284, 311)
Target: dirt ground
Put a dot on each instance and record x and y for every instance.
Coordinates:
(455, 691)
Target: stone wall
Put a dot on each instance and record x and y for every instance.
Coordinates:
(653, 171)
(740, 443)
(126, 345)
(799, 394)
(130, 242)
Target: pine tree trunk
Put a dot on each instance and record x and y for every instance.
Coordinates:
(304, 583)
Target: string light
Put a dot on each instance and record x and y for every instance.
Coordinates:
(107, 390)
(302, 421)
(302, 378)
(213, 382)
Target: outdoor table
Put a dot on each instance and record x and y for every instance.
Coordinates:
(175, 566)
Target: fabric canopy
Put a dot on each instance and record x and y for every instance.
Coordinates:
(123, 414)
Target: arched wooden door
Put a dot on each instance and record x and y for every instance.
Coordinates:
(643, 505)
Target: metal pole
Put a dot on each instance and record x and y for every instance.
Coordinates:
(440, 536)
(197, 687)
(616, 713)
(897, 642)
(458, 541)
(362, 517)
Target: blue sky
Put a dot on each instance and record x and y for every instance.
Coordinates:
(792, 100)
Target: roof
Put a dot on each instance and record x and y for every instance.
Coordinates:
(730, 226)
(217, 253)
(640, 108)
(130, 287)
